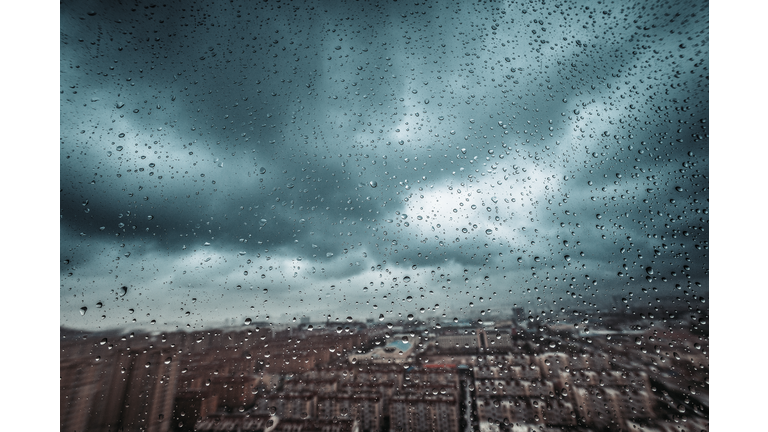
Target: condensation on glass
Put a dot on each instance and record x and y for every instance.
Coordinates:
(393, 216)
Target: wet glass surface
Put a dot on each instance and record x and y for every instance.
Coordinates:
(258, 200)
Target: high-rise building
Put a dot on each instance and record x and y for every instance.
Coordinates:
(518, 316)
(151, 391)
(415, 412)
(79, 386)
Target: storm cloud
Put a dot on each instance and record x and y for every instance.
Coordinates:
(291, 159)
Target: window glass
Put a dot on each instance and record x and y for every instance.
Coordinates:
(406, 216)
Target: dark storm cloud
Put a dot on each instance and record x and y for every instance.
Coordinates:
(527, 151)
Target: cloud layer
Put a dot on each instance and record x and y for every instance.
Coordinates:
(291, 159)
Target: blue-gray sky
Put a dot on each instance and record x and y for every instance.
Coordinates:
(552, 156)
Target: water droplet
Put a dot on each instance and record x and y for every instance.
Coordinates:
(373, 183)
(83, 310)
(649, 270)
(247, 321)
(262, 170)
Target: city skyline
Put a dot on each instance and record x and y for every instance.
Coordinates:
(462, 378)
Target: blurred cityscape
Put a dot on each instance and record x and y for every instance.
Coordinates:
(631, 371)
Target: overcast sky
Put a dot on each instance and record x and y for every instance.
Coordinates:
(293, 159)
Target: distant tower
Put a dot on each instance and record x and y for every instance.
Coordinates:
(518, 316)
